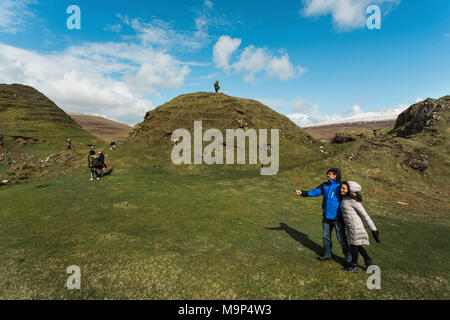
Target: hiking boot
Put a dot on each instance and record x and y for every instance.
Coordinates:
(347, 264)
(323, 258)
(352, 268)
(368, 263)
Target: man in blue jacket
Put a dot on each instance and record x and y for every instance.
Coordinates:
(332, 217)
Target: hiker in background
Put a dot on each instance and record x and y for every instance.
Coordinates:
(114, 146)
(92, 164)
(354, 214)
(69, 144)
(101, 162)
(216, 86)
(332, 217)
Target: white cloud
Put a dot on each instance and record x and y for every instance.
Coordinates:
(114, 27)
(346, 14)
(124, 19)
(353, 111)
(223, 49)
(304, 119)
(108, 79)
(253, 60)
(14, 14)
(297, 105)
(273, 103)
(209, 4)
(161, 71)
(300, 104)
(73, 83)
(299, 119)
(281, 68)
(305, 113)
(161, 33)
(301, 70)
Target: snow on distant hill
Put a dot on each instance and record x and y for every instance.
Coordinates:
(371, 116)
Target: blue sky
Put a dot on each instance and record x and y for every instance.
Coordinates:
(312, 60)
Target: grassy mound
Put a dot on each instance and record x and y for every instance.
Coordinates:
(220, 111)
(28, 118)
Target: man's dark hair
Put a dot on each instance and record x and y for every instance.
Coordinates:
(333, 172)
(92, 152)
(337, 172)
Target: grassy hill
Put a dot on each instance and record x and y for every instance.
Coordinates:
(102, 128)
(219, 111)
(31, 120)
(33, 135)
(150, 231)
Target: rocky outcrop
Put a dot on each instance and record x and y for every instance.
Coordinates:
(343, 137)
(421, 116)
(25, 165)
(419, 159)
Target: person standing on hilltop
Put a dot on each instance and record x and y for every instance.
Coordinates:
(216, 86)
(332, 216)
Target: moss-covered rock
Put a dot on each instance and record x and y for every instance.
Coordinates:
(422, 116)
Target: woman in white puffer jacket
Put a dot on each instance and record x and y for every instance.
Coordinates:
(354, 217)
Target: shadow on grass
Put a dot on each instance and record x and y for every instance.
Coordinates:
(305, 241)
(108, 172)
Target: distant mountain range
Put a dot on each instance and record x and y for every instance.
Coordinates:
(372, 116)
(330, 130)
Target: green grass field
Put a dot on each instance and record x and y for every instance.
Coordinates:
(153, 230)
(147, 233)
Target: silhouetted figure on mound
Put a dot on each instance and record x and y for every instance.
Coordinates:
(216, 86)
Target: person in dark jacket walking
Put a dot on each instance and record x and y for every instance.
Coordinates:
(92, 162)
(101, 162)
(332, 217)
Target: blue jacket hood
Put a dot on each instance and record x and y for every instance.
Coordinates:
(339, 177)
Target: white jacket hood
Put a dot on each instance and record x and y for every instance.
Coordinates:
(354, 186)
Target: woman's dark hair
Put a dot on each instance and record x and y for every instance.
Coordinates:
(352, 195)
